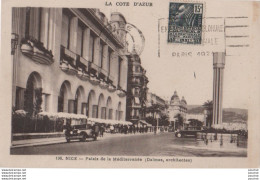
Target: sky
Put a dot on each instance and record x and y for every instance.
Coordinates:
(192, 77)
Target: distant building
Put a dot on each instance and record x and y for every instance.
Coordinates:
(177, 106)
(155, 99)
(136, 89)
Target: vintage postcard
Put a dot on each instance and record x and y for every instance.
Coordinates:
(130, 84)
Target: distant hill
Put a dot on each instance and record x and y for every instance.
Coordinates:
(229, 114)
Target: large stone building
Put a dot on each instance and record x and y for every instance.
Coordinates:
(153, 99)
(177, 106)
(70, 60)
(136, 89)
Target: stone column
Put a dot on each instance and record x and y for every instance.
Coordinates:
(43, 102)
(86, 44)
(44, 26)
(105, 57)
(51, 29)
(114, 68)
(20, 98)
(218, 66)
(123, 78)
(73, 34)
(16, 20)
(52, 102)
(34, 23)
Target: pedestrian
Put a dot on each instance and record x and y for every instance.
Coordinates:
(102, 129)
(112, 129)
(96, 130)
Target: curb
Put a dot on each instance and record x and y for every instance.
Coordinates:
(63, 140)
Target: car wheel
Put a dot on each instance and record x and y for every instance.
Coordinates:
(179, 135)
(68, 140)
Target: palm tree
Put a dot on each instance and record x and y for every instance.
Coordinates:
(208, 105)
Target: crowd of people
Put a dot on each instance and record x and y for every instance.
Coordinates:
(122, 129)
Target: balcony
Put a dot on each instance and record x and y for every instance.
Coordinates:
(93, 79)
(120, 92)
(135, 117)
(103, 84)
(36, 51)
(136, 83)
(111, 88)
(83, 68)
(111, 79)
(136, 73)
(68, 61)
(93, 69)
(103, 74)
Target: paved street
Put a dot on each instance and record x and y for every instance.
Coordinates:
(164, 144)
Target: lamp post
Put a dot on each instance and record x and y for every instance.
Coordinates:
(14, 42)
(157, 123)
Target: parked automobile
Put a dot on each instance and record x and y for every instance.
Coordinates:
(189, 131)
(79, 132)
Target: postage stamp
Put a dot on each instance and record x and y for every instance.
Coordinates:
(185, 23)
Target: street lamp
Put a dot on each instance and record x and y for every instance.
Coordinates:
(157, 123)
(14, 42)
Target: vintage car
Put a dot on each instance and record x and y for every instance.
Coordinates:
(79, 132)
(189, 131)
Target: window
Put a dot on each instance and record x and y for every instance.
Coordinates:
(95, 111)
(119, 70)
(135, 113)
(80, 31)
(101, 50)
(65, 30)
(110, 114)
(137, 100)
(120, 115)
(76, 102)
(103, 113)
(109, 60)
(32, 22)
(136, 91)
(91, 48)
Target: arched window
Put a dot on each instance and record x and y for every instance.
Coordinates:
(92, 107)
(61, 98)
(76, 101)
(33, 94)
(64, 96)
(101, 107)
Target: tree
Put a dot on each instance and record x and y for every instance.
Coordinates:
(179, 121)
(208, 105)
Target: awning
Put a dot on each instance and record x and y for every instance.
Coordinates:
(109, 121)
(63, 115)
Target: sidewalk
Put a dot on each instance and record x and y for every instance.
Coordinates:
(58, 140)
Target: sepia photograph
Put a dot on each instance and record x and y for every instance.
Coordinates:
(133, 81)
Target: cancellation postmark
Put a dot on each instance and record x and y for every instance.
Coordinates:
(185, 23)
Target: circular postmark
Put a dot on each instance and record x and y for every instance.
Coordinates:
(132, 37)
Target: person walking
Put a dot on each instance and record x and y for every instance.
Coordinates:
(96, 130)
(102, 129)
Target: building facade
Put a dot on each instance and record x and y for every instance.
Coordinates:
(70, 60)
(177, 106)
(136, 89)
(153, 99)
